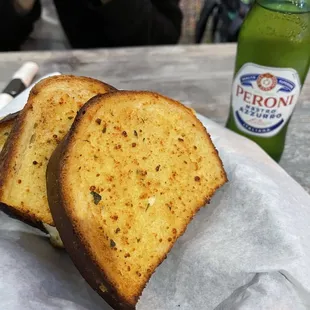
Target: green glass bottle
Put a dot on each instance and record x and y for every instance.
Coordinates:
(272, 63)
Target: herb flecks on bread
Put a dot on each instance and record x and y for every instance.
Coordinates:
(43, 122)
(124, 184)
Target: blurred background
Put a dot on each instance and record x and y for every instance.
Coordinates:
(206, 21)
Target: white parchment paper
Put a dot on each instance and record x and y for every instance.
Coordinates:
(249, 249)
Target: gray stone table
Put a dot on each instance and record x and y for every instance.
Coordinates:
(199, 75)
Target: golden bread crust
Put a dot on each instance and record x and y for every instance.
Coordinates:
(50, 110)
(6, 125)
(132, 172)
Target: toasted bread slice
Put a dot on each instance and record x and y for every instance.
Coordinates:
(6, 125)
(45, 119)
(123, 185)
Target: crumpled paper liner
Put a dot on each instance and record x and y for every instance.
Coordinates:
(249, 249)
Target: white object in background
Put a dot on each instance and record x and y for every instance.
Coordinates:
(5, 99)
(21, 79)
(18, 102)
(26, 72)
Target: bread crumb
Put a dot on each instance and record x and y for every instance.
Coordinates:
(103, 288)
(151, 200)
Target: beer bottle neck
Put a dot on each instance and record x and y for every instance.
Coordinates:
(293, 6)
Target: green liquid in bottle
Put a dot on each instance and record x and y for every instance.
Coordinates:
(275, 34)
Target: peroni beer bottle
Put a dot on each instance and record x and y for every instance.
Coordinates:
(272, 63)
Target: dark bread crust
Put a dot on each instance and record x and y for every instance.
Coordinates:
(73, 241)
(10, 118)
(10, 148)
(14, 214)
(4, 122)
(73, 244)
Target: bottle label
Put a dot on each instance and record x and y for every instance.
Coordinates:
(263, 98)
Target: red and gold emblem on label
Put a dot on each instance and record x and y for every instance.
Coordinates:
(266, 82)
